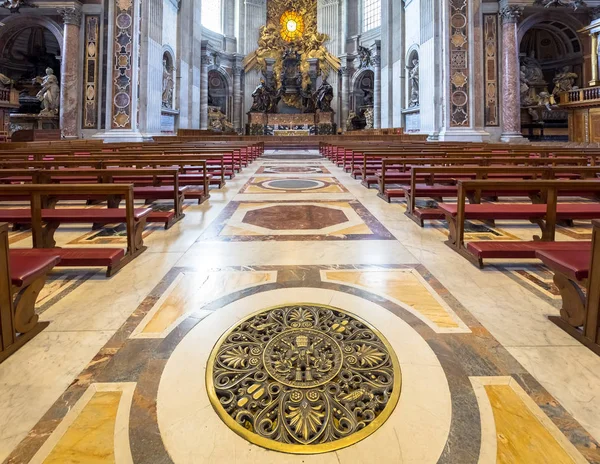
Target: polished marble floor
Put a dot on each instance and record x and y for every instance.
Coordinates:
(120, 374)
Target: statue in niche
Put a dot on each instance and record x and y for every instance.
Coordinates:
(49, 95)
(167, 85)
(368, 98)
(532, 70)
(260, 98)
(364, 55)
(369, 118)
(413, 84)
(564, 81)
(325, 97)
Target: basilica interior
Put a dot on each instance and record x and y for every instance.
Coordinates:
(299, 231)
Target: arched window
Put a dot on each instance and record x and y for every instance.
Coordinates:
(212, 15)
(371, 14)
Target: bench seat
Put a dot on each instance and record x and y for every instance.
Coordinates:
(520, 249)
(489, 211)
(575, 264)
(76, 257)
(24, 269)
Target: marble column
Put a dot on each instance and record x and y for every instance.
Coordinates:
(204, 90)
(69, 73)
(237, 96)
(345, 109)
(594, 60)
(511, 89)
(377, 85)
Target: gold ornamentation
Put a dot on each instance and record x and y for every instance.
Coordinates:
(276, 40)
(459, 79)
(303, 379)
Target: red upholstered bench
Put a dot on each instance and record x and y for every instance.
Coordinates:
(78, 257)
(24, 269)
(519, 249)
(27, 277)
(571, 271)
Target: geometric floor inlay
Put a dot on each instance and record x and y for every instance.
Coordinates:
(303, 378)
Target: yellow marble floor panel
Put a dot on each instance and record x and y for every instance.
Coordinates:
(515, 430)
(95, 431)
(190, 292)
(407, 288)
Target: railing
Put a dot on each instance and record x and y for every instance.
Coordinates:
(9, 97)
(580, 97)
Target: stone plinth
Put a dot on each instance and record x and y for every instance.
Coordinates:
(23, 121)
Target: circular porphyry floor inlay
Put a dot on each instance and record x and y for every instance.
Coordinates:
(303, 378)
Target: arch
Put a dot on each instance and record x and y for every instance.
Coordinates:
(13, 23)
(219, 90)
(362, 82)
(548, 16)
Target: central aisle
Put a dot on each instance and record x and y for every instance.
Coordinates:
(389, 346)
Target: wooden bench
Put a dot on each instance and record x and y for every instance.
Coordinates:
(442, 183)
(21, 280)
(149, 190)
(577, 276)
(44, 222)
(545, 215)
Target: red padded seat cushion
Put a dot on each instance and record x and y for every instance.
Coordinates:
(24, 269)
(524, 211)
(521, 250)
(575, 264)
(79, 257)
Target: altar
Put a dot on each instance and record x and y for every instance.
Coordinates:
(281, 124)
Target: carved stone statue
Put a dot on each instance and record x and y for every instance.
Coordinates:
(532, 70)
(5, 81)
(167, 86)
(15, 5)
(370, 118)
(413, 84)
(49, 95)
(325, 97)
(260, 98)
(364, 55)
(308, 99)
(564, 81)
(368, 98)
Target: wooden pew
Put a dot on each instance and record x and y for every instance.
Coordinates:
(147, 186)
(442, 183)
(45, 221)
(545, 215)
(577, 269)
(21, 280)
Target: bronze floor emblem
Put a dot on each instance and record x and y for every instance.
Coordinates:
(303, 378)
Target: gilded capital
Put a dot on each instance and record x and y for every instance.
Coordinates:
(511, 14)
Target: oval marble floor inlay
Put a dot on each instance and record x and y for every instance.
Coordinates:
(303, 378)
(294, 184)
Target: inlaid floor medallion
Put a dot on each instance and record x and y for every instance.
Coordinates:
(303, 378)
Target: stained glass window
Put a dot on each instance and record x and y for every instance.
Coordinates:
(371, 14)
(212, 15)
(292, 26)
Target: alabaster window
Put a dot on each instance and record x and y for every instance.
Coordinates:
(212, 14)
(371, 14)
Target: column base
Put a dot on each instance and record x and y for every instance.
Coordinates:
(463, 135)
(118, 135)
(593, 83)
(513, 137)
